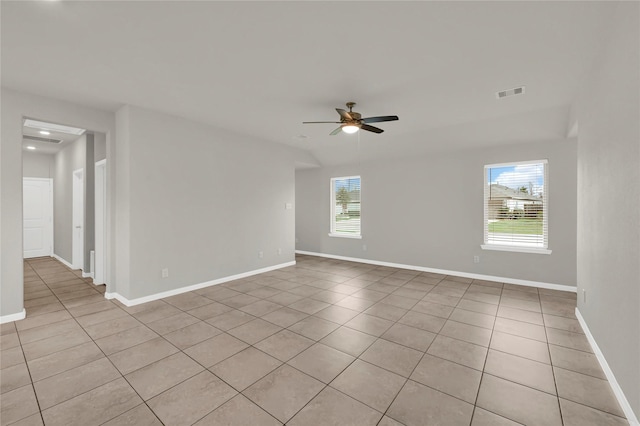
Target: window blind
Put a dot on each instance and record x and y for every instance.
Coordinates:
(516, 204)
(345, 206)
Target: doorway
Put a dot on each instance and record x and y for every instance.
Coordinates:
(77, 240)
(37, 216)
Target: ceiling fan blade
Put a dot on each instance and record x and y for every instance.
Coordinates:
(371, 128)
(336, 131)
(320, 122)
(379, 119)
(344, 114)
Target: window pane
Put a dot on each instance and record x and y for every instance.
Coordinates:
(346, 205)
(516, 204)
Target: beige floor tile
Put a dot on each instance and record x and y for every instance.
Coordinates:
(321, 362)
(448, 377)
(458, 351)
(520, 370)
(284, 345)
(368, 294)
(284, 317)
(412, 337)
(42, 332)
(308, 306)
(521, 328)
(138, 416)
(126, 339)
(71, 383)
(107, 328)
(157, 312)
(480, 307)
(14, 377)
(187, 301)
(434, 309)
(519, 403)
(245, 368)
(562, 323)
(518, 294)
(285, 298)
(238, 411)
(423, 321)
(575, 360)
(142, 355)
(568, 339)
(331, 407)
(369, 384)
(337, 314)
(314, 328)
(574, 414)
(230, 319)
(59, 362)
(32, 420)
(520, 315)
(215, 349)
(485, 418)
(53, 344)
(260, 308)
(587, 390)
(349, 341)
(40, 320)
(520, 346)
(420, 405)
(370, 324)
(191, 400)
(468, 333)
(106, 402)
(254, 331)
(284, 392)
(393, 357)
(560, 307)
(526, 305)
(10, 357)
(482, 296)
(355, 303)
(172, 323)
(388, 421)
(192, 334)
(159, 376)
(399, 301)
(209, 311)
(473, 318)
(102, 316)
(18, 404)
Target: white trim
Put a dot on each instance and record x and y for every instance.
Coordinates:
(354, 236)
(13, 317)
(520, 249)
(517, 163)
(193, 287)
(506, 280)
(617, 390)
(64, 262)
(87, 274)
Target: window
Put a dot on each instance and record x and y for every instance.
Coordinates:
(345, 207)
(515, 207)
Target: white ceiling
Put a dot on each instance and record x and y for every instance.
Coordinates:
(46, 147)
(261, 68)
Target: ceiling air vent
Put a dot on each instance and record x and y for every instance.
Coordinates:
(510, 92)
(39, 139)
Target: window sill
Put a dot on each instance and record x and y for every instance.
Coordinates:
(519, 249)
(355, 237)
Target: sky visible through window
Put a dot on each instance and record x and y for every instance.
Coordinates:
(516, 176)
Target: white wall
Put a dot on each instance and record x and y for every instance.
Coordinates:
(15, 106)
(198, 201)
(37, 165)
(609, 201)
(428, 212)
(70, 159)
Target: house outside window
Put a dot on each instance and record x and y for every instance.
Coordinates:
(516, 207)
(345, 207)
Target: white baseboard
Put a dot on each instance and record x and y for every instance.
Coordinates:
(193, 287)
(64, 262)
(617, 390)
(13, 317)
(87, 274)
(447, 272)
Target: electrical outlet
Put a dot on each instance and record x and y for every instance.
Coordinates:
(364, 247)
(279, 251)
(584, 295)
(476, 259)
(165, 273)
(260, 254)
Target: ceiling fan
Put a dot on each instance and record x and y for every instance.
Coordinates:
(351, 121)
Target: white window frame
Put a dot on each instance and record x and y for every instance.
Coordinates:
(545, 209)
(332, 231)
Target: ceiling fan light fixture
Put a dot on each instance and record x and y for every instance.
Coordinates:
(350, 128)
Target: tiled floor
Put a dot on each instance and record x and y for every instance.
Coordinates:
(323, 342)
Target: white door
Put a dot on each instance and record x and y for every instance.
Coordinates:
(99, 276)
(78, 220)
(37, 215)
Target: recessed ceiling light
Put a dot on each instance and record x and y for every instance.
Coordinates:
(31, 147)
(44, 132)
(42, 125)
